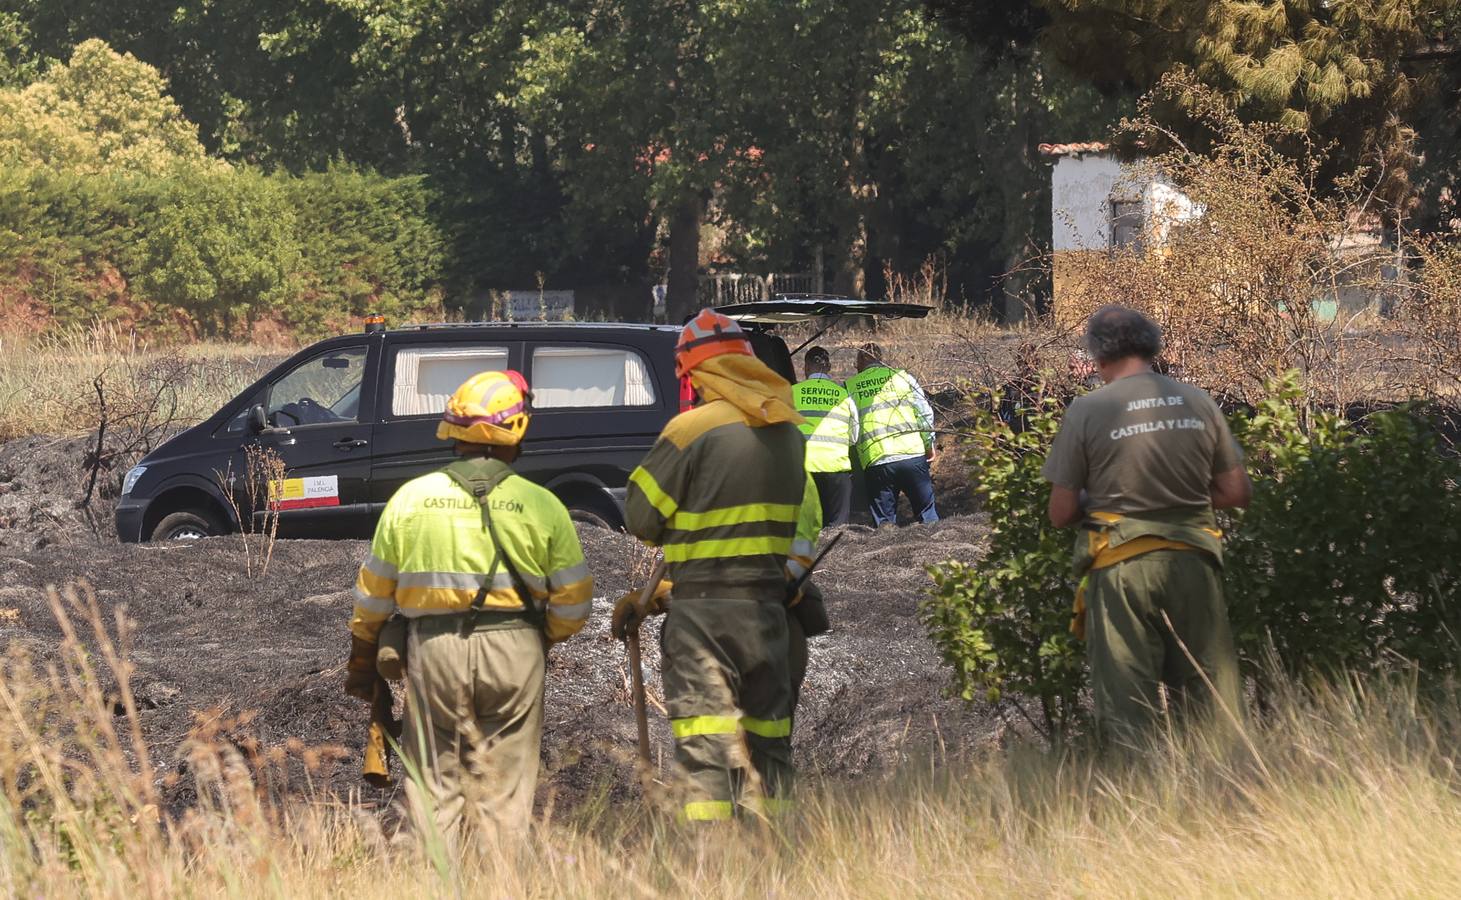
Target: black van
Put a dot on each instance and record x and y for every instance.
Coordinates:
(352, 418)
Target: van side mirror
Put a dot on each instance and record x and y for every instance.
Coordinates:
(258, 421)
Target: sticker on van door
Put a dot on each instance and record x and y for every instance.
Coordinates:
(305, 493)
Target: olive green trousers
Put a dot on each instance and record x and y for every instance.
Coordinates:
(728, 691)
(474, 727)
(797, 657)
(1133, 651)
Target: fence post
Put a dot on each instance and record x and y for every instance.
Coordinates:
(817, 271)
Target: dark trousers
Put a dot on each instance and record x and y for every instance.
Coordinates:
(727, 681)
(907, 476)
(835, 491)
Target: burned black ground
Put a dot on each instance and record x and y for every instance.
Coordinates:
(211, 642)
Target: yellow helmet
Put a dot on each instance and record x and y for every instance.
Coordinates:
(491, 408)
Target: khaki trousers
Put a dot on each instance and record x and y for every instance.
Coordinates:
(728, 691)
(1132, 651)
(474, 726)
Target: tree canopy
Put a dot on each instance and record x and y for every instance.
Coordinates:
(623, 142)
(99, 112)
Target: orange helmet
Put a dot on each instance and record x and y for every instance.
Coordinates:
(708, 334)
(490, 408)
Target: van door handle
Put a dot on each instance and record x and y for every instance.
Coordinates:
(348, 444)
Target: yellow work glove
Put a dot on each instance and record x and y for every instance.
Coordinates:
(360, 673)
(627, 613)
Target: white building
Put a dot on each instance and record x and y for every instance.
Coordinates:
(1100, 203)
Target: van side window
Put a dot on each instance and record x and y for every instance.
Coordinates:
(319, 391)
(425, 377)
(578, 377)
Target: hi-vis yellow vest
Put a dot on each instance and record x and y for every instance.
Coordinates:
(828, 425)
(889, 420)
(432, 553)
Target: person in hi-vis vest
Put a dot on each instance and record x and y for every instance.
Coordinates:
(831, 431)
(896, 440)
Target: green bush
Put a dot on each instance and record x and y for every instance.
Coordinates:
(370, 244)
(57, 233)
(216, 250)
(1002, 623)
(1348, 559)
(219, 248)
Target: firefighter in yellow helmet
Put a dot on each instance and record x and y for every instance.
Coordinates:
(485, 570)
(721, 491)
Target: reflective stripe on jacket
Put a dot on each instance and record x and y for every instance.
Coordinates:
(431, 554)
(889, 415)
(831, 427)
(721, 497)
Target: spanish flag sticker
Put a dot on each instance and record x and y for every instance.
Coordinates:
(305, 493)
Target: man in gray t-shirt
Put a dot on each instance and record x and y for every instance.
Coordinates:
(1140, 464)
(1142, 443)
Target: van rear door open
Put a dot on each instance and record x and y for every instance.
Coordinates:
(788, 309)
(763, 316)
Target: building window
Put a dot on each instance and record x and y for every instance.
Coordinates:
(1126, 224)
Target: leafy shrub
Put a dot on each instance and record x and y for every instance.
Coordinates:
(369, 243)
(1259, 270)
(1349, 557)
(56, 234)
(1003, 623)
(221, 249)
(102, 111)
(216, 250)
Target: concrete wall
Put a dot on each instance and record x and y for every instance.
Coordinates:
(1080, 194)
(1083, 188)
(1166, 206)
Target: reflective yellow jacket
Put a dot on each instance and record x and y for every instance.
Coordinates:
(831, 428)
(431, 553)
(894, 417)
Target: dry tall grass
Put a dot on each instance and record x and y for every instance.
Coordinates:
(1354, 791)
(48, 384)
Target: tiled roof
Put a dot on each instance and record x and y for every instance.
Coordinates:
(1054, 151)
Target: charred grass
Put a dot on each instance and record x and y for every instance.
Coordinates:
(1341, 789)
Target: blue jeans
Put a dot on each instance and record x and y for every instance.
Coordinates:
(908, 476)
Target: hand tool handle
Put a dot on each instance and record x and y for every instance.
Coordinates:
(795, 586)
(636, 673)
(376, 769)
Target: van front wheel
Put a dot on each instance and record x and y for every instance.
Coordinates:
(595, 514)
(186, 525)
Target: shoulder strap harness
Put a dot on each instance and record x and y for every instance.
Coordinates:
(470, 476)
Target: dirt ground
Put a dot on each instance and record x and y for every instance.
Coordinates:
(212, 643)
